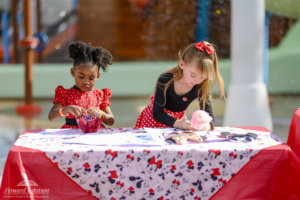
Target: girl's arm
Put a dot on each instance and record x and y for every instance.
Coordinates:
(159, 102)
(158, 107)
(108, 117)
(208, 109)
(58, 111)
(54, 112)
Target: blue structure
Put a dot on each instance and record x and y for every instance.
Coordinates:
(202, 20)
(5, 36)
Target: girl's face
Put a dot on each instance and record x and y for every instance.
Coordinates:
(191, 73)
(85, 75)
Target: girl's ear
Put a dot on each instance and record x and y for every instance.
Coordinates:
(181, 63)
(72, 71)
(98, 75)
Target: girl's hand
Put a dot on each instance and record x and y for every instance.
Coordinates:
(94, 111)
(204, 127)
(108, 117)
(77, 111)
(183, 124)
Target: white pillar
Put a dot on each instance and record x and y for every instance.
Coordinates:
(247, 103)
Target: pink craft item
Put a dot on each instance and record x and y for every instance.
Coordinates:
(201, 120)
(90, 124)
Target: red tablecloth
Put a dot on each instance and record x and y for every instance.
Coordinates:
(271, 173)
(294, 133)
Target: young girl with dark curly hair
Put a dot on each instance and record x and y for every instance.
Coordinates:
(83, 98)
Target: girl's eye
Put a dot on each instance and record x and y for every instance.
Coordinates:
(92, 78)
(81, 77)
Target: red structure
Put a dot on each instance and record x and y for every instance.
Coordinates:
(28, 109)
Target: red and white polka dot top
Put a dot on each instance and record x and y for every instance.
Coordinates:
(72, 96)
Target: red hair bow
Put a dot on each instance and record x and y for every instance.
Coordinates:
(201, 47)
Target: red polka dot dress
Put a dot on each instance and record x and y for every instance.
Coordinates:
(146, 120)
(74, 96)
(167, 106)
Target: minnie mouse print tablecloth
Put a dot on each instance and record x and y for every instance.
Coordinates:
(130, 163)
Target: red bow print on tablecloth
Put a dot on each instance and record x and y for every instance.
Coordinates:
(153, 162)
(113, 174)
(121, 184)
(201, 47)
(112, 153)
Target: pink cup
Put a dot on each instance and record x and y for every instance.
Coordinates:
(89, 124)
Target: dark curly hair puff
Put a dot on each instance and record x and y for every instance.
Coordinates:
(82, 52)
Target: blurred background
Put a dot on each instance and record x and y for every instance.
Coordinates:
(144, 36)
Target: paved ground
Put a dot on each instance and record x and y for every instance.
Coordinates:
(126, 111)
